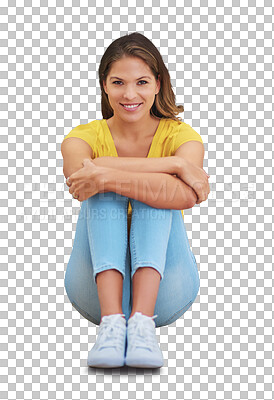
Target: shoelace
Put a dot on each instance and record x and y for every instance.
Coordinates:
(106, 329)
(144, 335)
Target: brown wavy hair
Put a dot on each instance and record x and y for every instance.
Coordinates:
(137, 45)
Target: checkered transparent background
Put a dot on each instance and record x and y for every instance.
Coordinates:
(220, 58)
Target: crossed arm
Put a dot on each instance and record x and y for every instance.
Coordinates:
(150, 180)
(157, 182)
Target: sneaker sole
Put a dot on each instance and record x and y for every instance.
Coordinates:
(105, 366)
(143, 364)
(106, 363)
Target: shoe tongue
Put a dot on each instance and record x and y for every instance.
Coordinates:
(143, 315)
(112, 316)
(138, 315)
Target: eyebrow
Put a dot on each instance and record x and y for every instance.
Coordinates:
(116, 77)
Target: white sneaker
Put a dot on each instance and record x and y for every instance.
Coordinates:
(109, 349)
(143, 350)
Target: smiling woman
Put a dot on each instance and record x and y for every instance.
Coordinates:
(131, 97)
(134, 172)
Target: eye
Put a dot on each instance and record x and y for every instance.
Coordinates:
(121, 81)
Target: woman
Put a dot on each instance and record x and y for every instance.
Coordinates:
(134, 172)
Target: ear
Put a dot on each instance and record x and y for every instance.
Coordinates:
(158, 84)
(104, 85)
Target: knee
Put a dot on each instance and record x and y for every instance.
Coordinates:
(108, 197)
(141, 210)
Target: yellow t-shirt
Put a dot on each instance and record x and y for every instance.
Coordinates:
(168, 137)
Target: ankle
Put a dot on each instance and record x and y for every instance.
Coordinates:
(112, 313)
(144, 313)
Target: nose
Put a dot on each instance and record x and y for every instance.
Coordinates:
(129, 92)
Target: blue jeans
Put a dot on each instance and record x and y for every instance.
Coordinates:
(157, 239)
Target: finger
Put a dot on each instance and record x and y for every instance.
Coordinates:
(207, 174)
(68, 182)
(199, 199)
(202, 198)
(198, 194)
(85, 160)
(202, 193)
(206, 187)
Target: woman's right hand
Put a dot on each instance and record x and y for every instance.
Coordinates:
(87, 181)
(195, 177)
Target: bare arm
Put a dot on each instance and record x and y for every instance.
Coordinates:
(74, 151)
(158, 190)
(167, 165)
(154, 184)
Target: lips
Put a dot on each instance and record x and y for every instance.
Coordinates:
(133, 106)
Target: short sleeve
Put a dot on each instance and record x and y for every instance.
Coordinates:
(185, 133)
(85, 132)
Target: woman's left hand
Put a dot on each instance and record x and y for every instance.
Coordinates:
(195, 177)
(87, 181)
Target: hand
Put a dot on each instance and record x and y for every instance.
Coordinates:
(87, 181)
(195, 177)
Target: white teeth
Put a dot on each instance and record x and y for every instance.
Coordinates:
(131, 106)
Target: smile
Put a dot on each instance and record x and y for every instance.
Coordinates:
(131, 107)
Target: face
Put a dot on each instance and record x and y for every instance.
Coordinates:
(124, 87)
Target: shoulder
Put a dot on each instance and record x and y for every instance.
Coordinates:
(175, 133)
(89, 128)
(87, 132)
(83, 131)
(183, 132)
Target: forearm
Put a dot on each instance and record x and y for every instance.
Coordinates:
(158, 190)
(167, 165)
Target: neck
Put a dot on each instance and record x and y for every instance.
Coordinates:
(133, 130)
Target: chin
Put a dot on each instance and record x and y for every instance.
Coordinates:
(132, 115)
